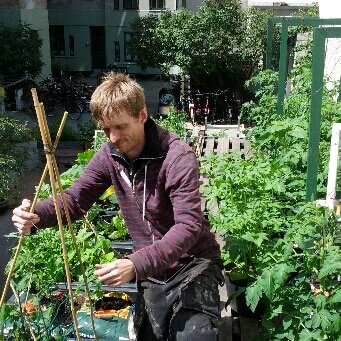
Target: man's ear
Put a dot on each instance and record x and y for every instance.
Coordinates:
(143, 115)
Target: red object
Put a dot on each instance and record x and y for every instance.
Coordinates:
(192, 110)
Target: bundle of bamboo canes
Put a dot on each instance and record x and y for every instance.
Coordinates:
(52, 168)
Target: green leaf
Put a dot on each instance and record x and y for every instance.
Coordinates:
(254, 293)
(299, 133)
(287, 322)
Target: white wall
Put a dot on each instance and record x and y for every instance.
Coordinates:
(332, 9)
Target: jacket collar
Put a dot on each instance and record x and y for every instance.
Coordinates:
(153, 148)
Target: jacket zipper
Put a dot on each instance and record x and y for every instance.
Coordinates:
(132, 176)
(133, 188)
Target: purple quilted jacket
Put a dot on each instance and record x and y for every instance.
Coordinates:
(159, 198)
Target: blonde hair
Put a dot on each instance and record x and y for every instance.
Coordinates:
(117, 92)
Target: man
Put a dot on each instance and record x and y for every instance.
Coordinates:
(175, 259)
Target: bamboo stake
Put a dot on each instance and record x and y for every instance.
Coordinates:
(72, 232)
(21, 238)
(74, 242)
(45, 132)
(49, 152)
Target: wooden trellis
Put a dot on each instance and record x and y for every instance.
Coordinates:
(52, 168)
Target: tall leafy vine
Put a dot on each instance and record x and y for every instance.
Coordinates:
(287, 250)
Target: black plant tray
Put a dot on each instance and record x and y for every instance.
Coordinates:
(128, 288)
(85, 339)
(122, 246)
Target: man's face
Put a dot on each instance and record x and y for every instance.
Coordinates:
(127, 132)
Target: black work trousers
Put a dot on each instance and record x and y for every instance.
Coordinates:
(185, 308)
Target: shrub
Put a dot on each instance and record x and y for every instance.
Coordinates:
(12, 157)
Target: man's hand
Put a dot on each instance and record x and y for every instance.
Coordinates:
(23, 219)
(116, 273)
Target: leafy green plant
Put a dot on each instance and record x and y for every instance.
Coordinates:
(174, 122)
(12, 156)
(115, 229)
(301, 286)
(288, 250)
(250, 227)
(21, 51)
(11, 315)
(86, 131)
(220, 133)
(68, 133)
(41, 262)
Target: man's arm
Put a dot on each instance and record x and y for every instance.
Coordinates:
(79, 198)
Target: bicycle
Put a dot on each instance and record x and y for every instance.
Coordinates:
(62, 94)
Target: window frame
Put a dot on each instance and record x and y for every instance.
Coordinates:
(57, 40)
(130, 4)
(181, 4)
(157, 4)
(117, 51)
(128, 57)
(71, 45)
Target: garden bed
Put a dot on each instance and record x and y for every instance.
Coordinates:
(50, 316)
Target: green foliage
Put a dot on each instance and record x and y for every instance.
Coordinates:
(40, 261)
(86, 131)
(115, 229)
(145, 42)
(11, 314)
(282, 245)
(12, 156)
(46, 314)
(215, 40)
(99, 139)
(174, 122)
(307, 255)
(254, 33)
(68, 133)
(20, 51)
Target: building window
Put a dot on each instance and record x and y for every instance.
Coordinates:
(117, 52)
(71, 46)
(116, 4)
(157, 4)
(130, 4)
(180, 4)
(57, 40)
(127, 42)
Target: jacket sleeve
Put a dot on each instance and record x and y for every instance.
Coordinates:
(182, 183)
(81, 195)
